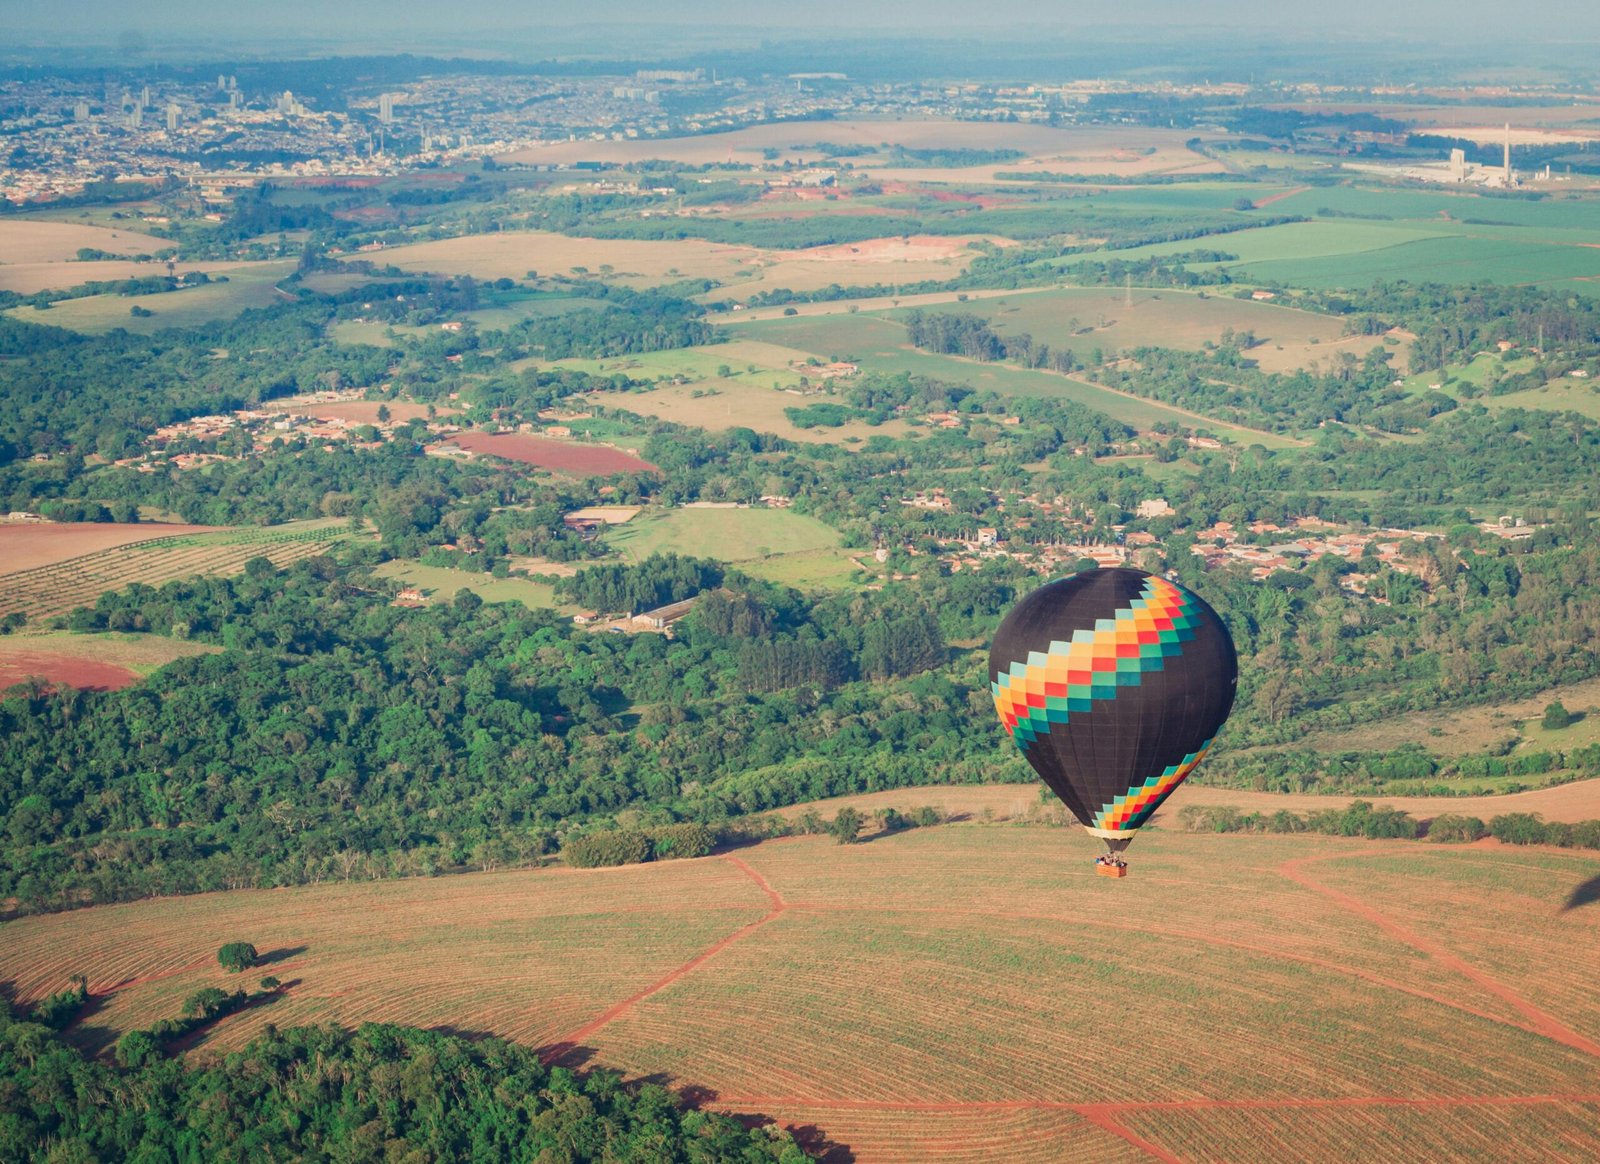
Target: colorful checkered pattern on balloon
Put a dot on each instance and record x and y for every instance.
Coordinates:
(1049, 687)
(1133, 807)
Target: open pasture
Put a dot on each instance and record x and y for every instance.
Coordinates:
(880, 344)
(569, 457)
(776, 544)
(102, 662)
(31, 278)
(33, 240)
(964, 992)
(67, 583)
(1082, 319)
(748, 401)
(441, 584)
(247, 287)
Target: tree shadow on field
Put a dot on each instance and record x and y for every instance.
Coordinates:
(812, 1139)
(1586, 894)
(280, 955)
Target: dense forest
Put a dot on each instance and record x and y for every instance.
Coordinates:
(379, 1092)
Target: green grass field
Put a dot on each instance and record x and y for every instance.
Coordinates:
(880, 345)
(776, 544)
(441, 583)
(965, 992)
(98, 314)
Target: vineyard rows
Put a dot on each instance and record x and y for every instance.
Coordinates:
(50, 590)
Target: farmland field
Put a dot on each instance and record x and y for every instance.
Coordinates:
(1234, 996)
(47, 590)
(25, 546)
(247, 287)
(100, 661)
(558, 456)
(880, 345)
(512, 254)
(645, 262)
(30, 278)
(1173, 319)
(1122, 150)
(29, 240)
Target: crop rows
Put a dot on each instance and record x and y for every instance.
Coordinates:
(902, 1010)
(1523, 1131)
(904, 1023)
(962, 1137)
(51, 590)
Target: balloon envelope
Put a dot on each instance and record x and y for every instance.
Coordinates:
(1113, 683)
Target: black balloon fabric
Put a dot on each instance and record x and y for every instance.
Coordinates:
(1113, 683)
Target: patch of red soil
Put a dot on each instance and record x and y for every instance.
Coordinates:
(64, 670)
(982, 201)
(560, 456)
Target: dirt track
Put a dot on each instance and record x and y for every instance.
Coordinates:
(1565, 802)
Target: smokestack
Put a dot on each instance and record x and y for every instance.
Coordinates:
(1508, 153)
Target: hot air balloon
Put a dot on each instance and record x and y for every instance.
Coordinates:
(1113, 683)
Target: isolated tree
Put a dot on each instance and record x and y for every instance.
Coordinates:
(237, 956)
(845, 826)
(1556, 717)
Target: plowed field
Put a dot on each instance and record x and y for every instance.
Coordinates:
(558, 456)
(966, 992)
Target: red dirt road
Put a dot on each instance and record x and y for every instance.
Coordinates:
(560, 456)
(1543, 1023)
(569, 1042)
(1271, 198)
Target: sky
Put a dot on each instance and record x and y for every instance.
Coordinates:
(102, 21)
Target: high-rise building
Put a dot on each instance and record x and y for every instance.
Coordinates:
(135, 117)
(144, 97)
(80, 111)
(1458, 165)
(174, 116)
(222, 82)
(1508, 153)
(386, 108)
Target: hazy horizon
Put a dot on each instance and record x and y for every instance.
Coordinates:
(98, 23)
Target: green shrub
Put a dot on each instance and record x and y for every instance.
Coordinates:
(136, 1048)
(1556, 717)
(607, 847)
(1586, 834)
(682, 840)
(237, 956)
(927, 816)
(58, 1011)
(1453, 828)
(1518, 828)
(846, 824)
